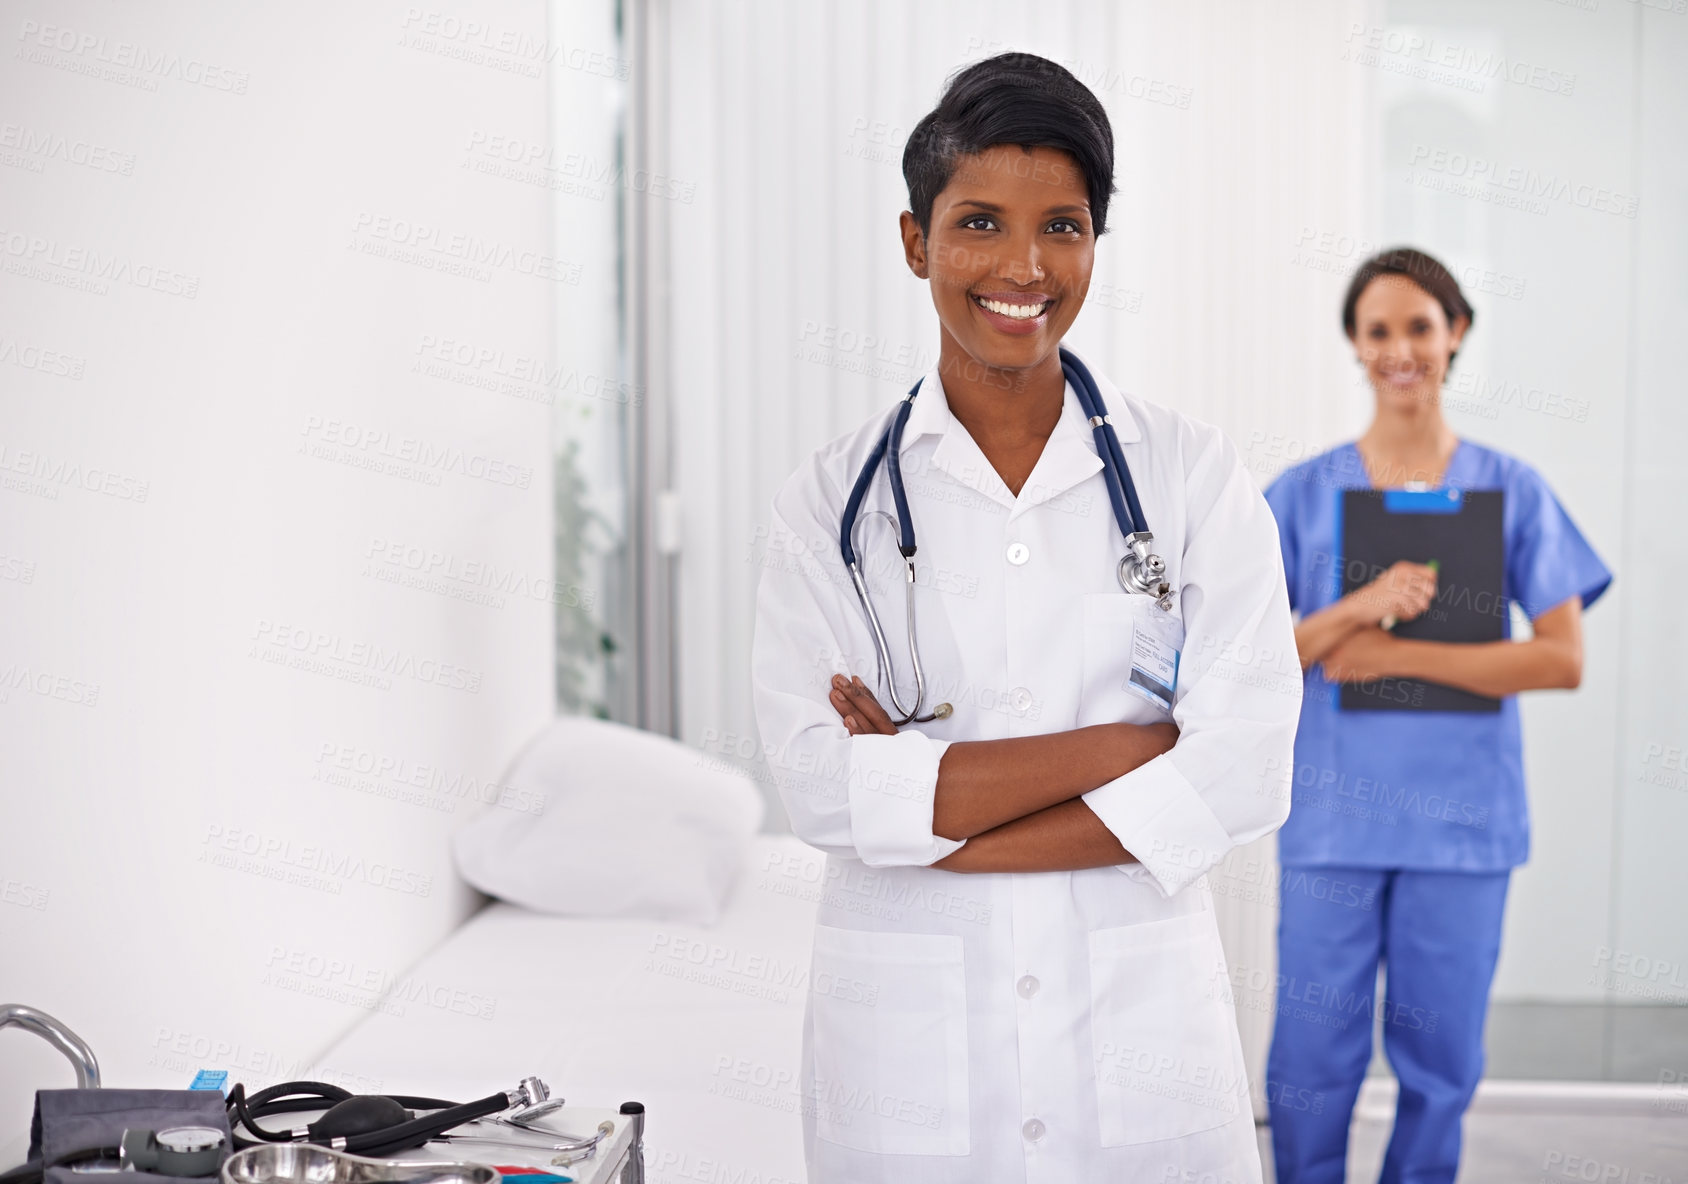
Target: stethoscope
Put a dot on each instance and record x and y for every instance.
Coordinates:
(346, 1143)
(378, 1125)
(1140, 570)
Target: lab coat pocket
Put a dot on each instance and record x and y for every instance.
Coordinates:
(889, 1039)
(1131, 653)
(1168, 1060)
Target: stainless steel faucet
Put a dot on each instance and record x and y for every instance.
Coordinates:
(75, 1048)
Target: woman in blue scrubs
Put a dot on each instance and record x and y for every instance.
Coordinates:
(1405, 825)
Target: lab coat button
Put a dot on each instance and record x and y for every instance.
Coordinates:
(1027, 987)
(1033, 1130)
(1018, 553)
(1021, 698)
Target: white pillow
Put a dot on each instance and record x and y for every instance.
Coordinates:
(633, 825)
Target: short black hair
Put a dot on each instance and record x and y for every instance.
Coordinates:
(1428, 273)
(1013, 98)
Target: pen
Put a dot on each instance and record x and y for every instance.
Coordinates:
(1435, 566)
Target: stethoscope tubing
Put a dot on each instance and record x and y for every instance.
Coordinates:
(1122, 497)
(883, 650)
(905, 527)
(1122, 490)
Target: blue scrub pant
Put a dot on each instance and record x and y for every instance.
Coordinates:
(1438, 935)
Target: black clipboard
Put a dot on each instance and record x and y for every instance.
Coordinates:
(1461, 530)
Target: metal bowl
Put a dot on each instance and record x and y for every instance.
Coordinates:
(305, 1163)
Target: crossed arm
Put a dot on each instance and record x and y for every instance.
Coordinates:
(1017, 802)
(1348, 640)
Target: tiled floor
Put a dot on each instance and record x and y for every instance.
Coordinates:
(1563, 1139)
(1548, 1147)
(1582, 1042)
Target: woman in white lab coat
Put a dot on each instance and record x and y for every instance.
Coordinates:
(1063, 1011)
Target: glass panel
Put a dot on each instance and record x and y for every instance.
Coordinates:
(1513, 141)
(592, 401)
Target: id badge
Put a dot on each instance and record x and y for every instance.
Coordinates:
(1154, 657)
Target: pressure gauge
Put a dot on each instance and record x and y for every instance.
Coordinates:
(175, 1151)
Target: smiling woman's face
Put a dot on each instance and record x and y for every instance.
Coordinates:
(1009, 253)
(1403, 338)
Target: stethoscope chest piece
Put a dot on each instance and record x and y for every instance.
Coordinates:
(1142, 571)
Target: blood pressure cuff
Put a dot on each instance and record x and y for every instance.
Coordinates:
(74, 1119)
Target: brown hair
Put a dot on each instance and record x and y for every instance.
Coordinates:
(1437, 282)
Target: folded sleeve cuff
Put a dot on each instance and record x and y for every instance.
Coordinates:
(893, 782)
(1157, 815)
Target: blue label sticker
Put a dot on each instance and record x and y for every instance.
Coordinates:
(1423, 501)
(210, 1079)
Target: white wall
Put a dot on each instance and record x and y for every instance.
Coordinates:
(1649, 925)
(183, 501)
(1571, 231)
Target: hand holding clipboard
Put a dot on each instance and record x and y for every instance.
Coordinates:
(1458, 596)
(1404, 591)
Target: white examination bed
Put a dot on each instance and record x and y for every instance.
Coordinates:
(701, 1024)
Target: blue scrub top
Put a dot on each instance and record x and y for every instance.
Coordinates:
(1439, 790)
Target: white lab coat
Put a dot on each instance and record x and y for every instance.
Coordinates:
(1057, 1026)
